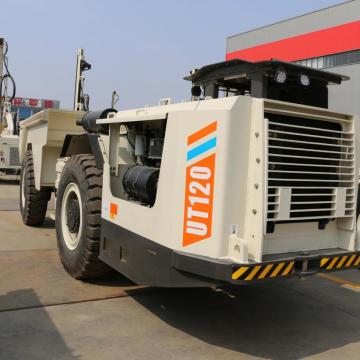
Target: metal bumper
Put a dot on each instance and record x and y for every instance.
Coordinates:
(148, 263)
(302, 265)
(273, 267)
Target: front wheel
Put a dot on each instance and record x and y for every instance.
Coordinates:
(78, 209)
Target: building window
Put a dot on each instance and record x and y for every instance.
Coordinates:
(329, 61)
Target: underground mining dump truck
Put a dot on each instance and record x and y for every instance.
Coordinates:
(253, 180)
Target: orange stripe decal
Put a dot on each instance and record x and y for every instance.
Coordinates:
(113, 211)
(198, 210)
(202, 133)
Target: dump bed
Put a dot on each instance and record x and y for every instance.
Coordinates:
(44, 134)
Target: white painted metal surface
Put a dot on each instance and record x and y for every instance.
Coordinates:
(241, 182)
(45, 133)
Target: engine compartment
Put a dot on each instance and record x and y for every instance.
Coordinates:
(137, 162)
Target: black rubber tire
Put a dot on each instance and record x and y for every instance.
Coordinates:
(33, 210)
(82, 262)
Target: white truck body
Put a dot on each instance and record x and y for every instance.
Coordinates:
(240, 199)
(9, 154)
(44, 133)
(257, 185)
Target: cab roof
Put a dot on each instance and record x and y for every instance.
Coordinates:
(237, 72)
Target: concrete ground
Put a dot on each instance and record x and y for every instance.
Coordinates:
(45, 314)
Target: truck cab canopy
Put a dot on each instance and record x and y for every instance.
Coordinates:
(272, 79)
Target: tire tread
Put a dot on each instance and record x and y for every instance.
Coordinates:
(88, 265)
(34, 210)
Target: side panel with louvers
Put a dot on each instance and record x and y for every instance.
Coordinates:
(310, 169)
(14, 156)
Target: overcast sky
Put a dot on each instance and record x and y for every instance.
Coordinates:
(141, 48)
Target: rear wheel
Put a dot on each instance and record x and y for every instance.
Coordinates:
(33, 203)
(78, 209)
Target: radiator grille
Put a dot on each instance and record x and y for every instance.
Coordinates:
(310, 169)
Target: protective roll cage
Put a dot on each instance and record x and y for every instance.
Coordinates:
(261, 80)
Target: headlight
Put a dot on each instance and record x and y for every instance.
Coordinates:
(304, 80)
(280, 76)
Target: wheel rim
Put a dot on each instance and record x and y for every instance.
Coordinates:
(71, 216)
(22, 189)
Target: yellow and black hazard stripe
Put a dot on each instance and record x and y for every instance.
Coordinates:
(340, 262)
(263, 271)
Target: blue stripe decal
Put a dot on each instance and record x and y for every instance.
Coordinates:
(201, 148)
